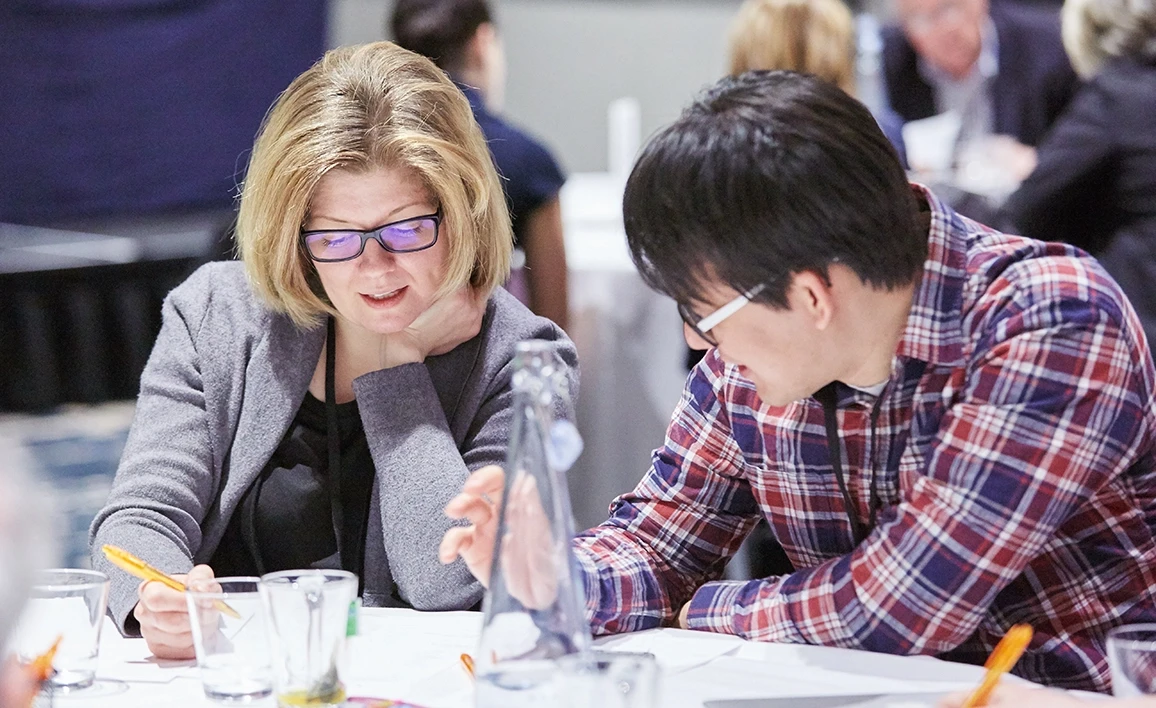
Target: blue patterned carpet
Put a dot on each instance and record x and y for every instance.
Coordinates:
(76, 451)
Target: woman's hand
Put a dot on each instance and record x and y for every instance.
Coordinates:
(452, 320)
(164, 615)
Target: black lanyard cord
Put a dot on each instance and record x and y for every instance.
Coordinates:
(827, 396)
(332, 434)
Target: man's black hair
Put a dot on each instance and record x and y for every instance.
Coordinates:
(439, 29)
(764, 175)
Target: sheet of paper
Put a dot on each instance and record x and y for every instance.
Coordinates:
(675, 649)
(924, 700)
(930, 142)
(129, 659)
(413, 656)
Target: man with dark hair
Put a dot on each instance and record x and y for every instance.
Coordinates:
(460, 36)
(950, 430)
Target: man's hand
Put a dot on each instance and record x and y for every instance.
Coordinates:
(480, 502)
(164, 615)
(452, 320)
(529, 551)
(682, 616)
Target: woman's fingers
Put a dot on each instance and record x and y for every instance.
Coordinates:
(157, 597)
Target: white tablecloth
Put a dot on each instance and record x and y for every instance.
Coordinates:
(630, 349)
(414, 656)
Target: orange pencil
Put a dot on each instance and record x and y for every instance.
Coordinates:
(135, 566)
(468, 663)
(1002, 659)
(40, 668)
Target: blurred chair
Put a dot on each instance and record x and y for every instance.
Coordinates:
(80, 311)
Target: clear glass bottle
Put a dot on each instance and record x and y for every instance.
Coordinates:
(535, 608)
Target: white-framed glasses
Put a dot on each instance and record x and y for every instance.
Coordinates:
(702, 326)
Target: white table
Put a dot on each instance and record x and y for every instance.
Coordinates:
(409, 655)
(630, 349)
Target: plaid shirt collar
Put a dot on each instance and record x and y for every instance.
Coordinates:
(934, 333)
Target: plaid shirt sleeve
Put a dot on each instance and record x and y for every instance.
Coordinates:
(1051, 406)
(686, 517)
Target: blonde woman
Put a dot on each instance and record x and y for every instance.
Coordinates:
(809, 36)
(319, 403)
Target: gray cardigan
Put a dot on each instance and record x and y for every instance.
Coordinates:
(225, 380)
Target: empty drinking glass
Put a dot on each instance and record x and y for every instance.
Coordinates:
(1132, 659)
(228, 622)
(609, 680)
(68, 605)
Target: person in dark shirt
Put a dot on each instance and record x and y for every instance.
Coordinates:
(316, 404)
(460, 36)
(1001, 68)
(1095, 184)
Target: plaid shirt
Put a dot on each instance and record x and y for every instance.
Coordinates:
(1013, 449)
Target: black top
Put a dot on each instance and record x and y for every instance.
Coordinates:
(1034, 83)
(285, 520)
(530, 174)
(1095, 184)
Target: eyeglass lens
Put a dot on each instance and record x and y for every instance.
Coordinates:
(412, 235)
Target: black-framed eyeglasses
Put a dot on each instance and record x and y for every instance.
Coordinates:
(416, 233)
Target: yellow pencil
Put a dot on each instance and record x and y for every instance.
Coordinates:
(135, 566)
(468, 664)
(1002, 659)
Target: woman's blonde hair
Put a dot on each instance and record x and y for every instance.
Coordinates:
(1098, 30)
(811, 36)
(357, 108)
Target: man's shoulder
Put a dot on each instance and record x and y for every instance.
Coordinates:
(1008, 275)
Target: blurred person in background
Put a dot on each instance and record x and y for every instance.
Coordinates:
(461, 37)
(25, 545)
(1001, 69)
(1095, 185)
(812, 36)
(317, 404)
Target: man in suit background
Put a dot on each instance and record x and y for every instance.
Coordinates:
(1002, 69)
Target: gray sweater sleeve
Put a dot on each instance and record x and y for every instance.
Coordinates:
(164, 483)
(421, 467)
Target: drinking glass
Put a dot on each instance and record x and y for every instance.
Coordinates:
(232, 652)
(308, 614)
(1132, 659)
(66, 604)
(609, 680)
